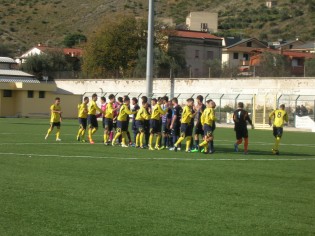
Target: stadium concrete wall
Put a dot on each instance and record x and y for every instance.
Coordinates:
(259, 86)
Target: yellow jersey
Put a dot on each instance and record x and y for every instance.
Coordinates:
(142, 114)
(82, 110)
(109, 112)
(124, 112)
(55, 116)
(157, 111)
(208, 116)
(93, 108)
(187, 115)
(280, 116)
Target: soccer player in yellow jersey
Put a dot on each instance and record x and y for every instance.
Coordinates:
(279, 117)
(207, 120)
(122, 123)
(55, 119)
(155, 123)
(186, 127)
(141, 116)
(92, 120)
(82, 117)
(109, 116)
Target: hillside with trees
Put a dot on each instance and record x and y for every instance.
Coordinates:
(24, 23)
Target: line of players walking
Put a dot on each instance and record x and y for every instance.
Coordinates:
(163, 121)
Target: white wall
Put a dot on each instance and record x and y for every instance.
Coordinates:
(298, 86)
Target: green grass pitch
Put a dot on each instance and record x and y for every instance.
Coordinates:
(71, 188)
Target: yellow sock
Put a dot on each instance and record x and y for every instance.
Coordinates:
(106, 137)
(94, 130)
(203, 144)
(277, 143)
(151, 140)
(83, 133)
(58, 134)
(79, 133)
(138, 139)
(179, 141)
(157, 142)
(90, 134)
(49, 131)
(124, 137)
(188, 142)
(116, 136)
(141, 138)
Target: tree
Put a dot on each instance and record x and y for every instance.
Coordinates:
(5, 50)
(273, 65)
(73, 39)
(113, 51)
(310, 67)
(45, 64)
(162, 67)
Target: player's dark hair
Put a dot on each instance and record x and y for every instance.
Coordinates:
(165, 98)
(144, 99)
(94, 95)
(126, 98)
(111, 96)
(208, 101)
(86, 98)
(282, 106)
(103, 99)
(240, 105)
(154, 100)
(135, 99)
(175, 100)
(200, 98)
(120, 99)
(57, 98)
(190, 100)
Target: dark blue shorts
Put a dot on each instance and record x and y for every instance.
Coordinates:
(55, 124)
(140, 125)
(277, 131)
(185, 130)
(207, 129)
(82, 122)
(165, 130)
(92, 121)
(122, 126)
(155, 126)
(176, 130)
(108, 124)
(198, 129)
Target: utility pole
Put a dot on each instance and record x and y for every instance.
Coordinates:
(149, 72)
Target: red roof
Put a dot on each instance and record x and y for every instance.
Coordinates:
(67, 51)
(196, 35)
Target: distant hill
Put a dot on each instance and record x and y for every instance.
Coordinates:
(24, 23)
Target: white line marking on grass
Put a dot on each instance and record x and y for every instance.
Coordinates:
(159, 158)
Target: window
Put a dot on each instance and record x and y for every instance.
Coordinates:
(235, 55)
(204, 27)
(210, 55)
(30, 94)
(41, 94)
(197, 54)
(249, 44)
(7, 93)
(245, 57)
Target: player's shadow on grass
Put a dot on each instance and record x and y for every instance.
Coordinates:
(255, 152)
